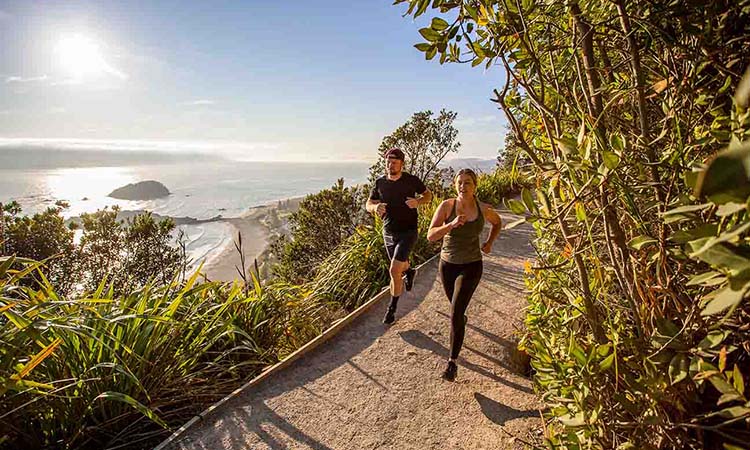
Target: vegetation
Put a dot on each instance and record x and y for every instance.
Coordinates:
(425, 142)
(637, 320)
(121, 347)
(323, 221)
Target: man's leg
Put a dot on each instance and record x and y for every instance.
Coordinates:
(397, 286)
(397, 271)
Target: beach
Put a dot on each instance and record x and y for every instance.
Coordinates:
(259, 227)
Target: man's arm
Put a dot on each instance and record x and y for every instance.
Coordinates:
(372, 205)
(426, 197)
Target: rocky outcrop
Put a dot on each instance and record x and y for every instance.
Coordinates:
(143, 190)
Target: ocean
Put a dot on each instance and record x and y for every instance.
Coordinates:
(201, 186)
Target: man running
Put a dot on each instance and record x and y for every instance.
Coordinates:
(395, 197)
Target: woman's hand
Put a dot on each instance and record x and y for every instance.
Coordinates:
(487, 247)
(458, 221)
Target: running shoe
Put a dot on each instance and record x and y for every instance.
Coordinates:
(409, 278)
(450, 371)
(390, 316)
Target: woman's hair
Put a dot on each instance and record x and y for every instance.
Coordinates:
(468, 172)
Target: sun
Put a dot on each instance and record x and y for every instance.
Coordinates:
(81, 57)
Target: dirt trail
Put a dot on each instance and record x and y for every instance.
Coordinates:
(378, 387)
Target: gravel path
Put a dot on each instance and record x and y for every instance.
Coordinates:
(378, 387)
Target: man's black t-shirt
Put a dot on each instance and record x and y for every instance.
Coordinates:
(398, 216)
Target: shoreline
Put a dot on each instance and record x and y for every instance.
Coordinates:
(260, 226)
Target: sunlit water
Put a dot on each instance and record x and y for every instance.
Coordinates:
(200, 189)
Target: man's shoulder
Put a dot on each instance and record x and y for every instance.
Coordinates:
(410, 177)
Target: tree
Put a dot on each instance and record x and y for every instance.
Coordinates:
(618, 104)
(42, 237)
(322, 222)
(425, 141)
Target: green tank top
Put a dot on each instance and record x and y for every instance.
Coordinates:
(461, 245)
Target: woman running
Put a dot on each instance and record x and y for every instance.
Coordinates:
(459, 222)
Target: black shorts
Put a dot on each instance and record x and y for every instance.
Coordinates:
(398, 244)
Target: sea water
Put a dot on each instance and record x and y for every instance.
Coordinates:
(201, 186)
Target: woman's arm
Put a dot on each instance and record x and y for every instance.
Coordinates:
(438, 227)
(497, 223)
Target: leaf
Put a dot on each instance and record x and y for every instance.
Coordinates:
(610, 159)
(720, 255)
(429, 34)
(742, 96)
(686, 208)
(580, 212)
(528, 200)
(423, 47)
(39, 357)
(724, 237)
(703, 231)
(726, 389)
(739, 383)
(703, 277)
(730, 208)
(727, 176)
(713, 339)
(438, 24)
(120, 397)
(570, 420)
(678, 368)
(659, 86)
(516, 206)
(606, 363)
(640, 242)
(567, 146)
(735, 412)
(726, 298)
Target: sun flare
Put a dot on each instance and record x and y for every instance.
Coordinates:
(81, 57)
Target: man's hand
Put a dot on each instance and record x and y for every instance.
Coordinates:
(458, 221)
(380, 209)
(412, 202)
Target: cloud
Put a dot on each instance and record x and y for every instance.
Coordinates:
(202, 102)
(17, 79)
(4, 15)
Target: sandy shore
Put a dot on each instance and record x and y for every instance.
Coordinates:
(259, 227)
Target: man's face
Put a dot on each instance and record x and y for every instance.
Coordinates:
(393, 166)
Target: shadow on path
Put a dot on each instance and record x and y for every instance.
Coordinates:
(420, 340)
(499, 413)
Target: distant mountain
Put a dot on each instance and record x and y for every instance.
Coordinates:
(476, 164)
(143, 190)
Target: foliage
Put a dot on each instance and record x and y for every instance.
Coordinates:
(112, 368)
(425, 142)
(128, 254)
(89, 372)
(358, 269)
(322, 222)
(43, 237)
(494, 187)
(618, 104)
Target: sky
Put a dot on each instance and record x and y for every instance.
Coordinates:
(255, 80)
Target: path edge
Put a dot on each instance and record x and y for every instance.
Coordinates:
(327, 334)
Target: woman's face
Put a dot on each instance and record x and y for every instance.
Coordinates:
(465, 185)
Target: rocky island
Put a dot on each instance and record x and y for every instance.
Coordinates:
(143, 190)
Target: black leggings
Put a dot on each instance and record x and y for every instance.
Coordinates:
(459, 282)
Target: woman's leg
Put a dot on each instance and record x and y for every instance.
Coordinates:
(465, 285)
(448, 274)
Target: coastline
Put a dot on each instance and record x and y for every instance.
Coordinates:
(259, 226)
